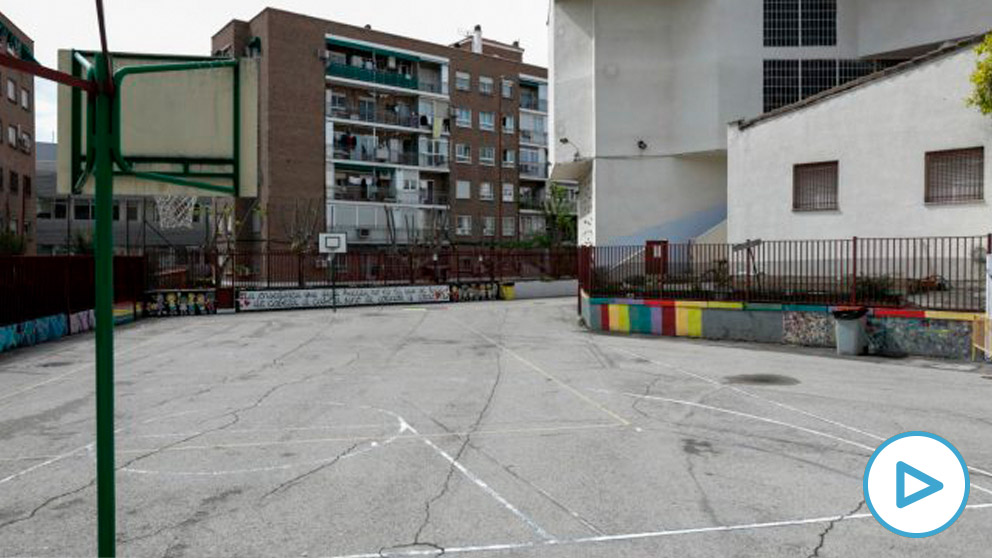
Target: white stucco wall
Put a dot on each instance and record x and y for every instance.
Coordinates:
(888, 25)
(879, 134)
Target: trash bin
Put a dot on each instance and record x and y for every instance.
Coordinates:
(851, 330)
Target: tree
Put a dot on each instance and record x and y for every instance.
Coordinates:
(11, 243)
(301, 226)
(982, 78)
(559, 216)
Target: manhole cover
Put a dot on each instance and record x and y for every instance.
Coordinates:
(762, 379)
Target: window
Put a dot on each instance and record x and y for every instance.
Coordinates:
(818, 76)
(464, 225)
(509, 158)
(788, 81)
(507, 89)
(132, 212)
(463, 153)
(25, 99)
(339, 102)
(26, 143)
(61, 209)
(814, 187)
(116, 211)
(486, 191)
(487, 121)
(463, 190)
(508, 192)
(463, 118)
(487, 156)
(509, 124)
(81, 210)
(1, 180)
(485, 85)
(15, 184)
(27, 186)
(781, 83)
(509, 226)
(955, 176)
(11, 90)
(12, 136)
(463, 81)
(488, 226)
(790, 23)
(45, 206)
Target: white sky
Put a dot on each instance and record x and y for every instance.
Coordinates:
(185, 26)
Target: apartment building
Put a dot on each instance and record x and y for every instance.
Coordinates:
(399, 141)
(642, 91)
(17, 192)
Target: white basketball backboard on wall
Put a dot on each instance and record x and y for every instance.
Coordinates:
(333, 243)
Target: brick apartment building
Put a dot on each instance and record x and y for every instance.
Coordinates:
(393, 139)
(17, 167)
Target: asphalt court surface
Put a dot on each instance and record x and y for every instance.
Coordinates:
(486, 429)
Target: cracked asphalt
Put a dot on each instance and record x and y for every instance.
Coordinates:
(487, 429)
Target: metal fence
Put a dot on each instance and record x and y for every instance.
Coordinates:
(938, 273)
(194, 268)
(33, 287)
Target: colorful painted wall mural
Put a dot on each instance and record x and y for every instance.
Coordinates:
(249, 301)
(891, 332)
(471, 292)
(33, 332)
(193, 302)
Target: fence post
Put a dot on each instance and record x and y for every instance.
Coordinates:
(409, 255)
(854, 270)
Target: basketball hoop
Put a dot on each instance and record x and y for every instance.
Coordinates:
(175, 212)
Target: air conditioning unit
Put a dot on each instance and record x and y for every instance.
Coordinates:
(364, 233)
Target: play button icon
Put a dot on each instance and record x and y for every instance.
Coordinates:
(930, 485)
(916, 484)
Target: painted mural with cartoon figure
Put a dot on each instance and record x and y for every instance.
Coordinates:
(180, 303)
(472, 292)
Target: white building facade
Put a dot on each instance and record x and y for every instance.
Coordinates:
(642, 91)
(898, 154)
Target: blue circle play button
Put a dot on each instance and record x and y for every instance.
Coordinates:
(916, 484)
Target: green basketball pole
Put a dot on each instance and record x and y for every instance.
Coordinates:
(103, 244)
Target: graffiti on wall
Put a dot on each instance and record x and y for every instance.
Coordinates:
(920, 336)
(180, 303)
(809, 329)
(81, 321)
(471, 292)
(32, 332)
(324, 298)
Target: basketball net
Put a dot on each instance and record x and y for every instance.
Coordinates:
(175, 212)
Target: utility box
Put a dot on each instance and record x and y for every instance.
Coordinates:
(851, 331)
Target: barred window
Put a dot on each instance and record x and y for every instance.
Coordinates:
(814, 187)
(790, 23)
(781, 83)
(781, 23)
(818, 76)
(955, 176)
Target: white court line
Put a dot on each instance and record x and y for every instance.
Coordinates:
(869, 449)
(482, 485)
(624, 537)
(51, 461)
(785, 406)
(544, 373)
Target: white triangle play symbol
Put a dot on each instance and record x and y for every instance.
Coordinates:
(914, 485)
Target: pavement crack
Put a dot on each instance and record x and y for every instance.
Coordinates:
(299, 478)
(46, 503)
(829, 527)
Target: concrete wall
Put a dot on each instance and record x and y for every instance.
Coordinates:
(893, 332)
(879, 134)
(672, 73)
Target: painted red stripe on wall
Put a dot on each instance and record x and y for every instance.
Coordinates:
(886, 313)
(604, 317)
(668, 321)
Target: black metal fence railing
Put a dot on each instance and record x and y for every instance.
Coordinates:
(195, 268)
(939, 273)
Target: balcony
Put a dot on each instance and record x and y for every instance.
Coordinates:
(378, 116)
(434, 160)
(531, 203)
(531, 102)
(380, 77)
(534, 170)
(389, 195)
(533, 137)
(380, 155)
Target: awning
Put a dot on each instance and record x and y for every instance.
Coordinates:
(373, 50)
(571, 171)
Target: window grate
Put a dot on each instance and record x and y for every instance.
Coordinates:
(781, 83)
(781, 23)
(818, 76)
(814, 187)
(955, 176)
(818, 22)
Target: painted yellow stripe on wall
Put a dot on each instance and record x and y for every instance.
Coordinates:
(695, 323)
(956, 316)
(726, 305)
(614, 317)
(623, 318)
(690, 304)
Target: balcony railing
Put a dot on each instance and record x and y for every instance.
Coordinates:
(435, 160)
(389, 195)
(530, 103)
(373, 76)
(381, 155)
(378, 116)
(533, 203)
(534, 170)
(532, 137)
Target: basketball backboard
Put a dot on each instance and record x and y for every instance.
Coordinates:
(182, 124)
(333, 243)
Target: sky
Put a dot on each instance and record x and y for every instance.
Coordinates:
(185, 27)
